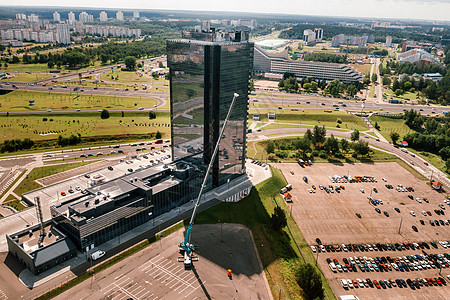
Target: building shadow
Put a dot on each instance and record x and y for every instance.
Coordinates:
(13, 264)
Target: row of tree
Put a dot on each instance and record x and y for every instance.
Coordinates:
(429, 135)
(290, 84)
(325, 57)
(16, 145)
(317, 140)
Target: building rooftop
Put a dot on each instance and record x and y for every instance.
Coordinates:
(29, 240)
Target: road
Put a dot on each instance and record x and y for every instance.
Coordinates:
(286, 100)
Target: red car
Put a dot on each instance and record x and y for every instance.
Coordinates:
(392, 282)
(429, 213)
(375, 282)
(63, 193)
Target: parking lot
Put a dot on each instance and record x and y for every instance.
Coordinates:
(332, 217)
(155, 272)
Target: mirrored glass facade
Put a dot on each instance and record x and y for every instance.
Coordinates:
(203, 78)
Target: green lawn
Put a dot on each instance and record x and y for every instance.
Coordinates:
(278, 251)
(29, 184)
(15, 203)
(133, 77)
(434, 159)
(34, 127)
(362, 68)
(19, 101)
(388, 125)
(28, 77)
(328, 118)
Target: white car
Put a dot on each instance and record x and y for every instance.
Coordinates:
(418, 200)
(313, 249)
(384, 179)
(412, 213)
(424, 213)
(360, 282)
(362, 190)
(350, 284)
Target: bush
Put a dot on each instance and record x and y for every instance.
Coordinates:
(323, 154)
(315, 153)
(281, 153)
(310, 281)
(104, 114)
(339, 121)
(158, 135)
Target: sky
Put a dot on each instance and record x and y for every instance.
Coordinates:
(401, 9)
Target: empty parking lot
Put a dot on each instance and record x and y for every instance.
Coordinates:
(155, 273)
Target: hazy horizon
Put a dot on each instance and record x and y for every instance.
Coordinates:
(431, 10)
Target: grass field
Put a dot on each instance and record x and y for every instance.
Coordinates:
(388, 125)
(34, 127)
(29, 184)
(23, 77)
(432, 158)
(406, 96)
(278, 251)
(328, 118)
(19, 101)
(15, 203)
(362, 68)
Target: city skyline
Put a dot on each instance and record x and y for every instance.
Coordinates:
(405, 9)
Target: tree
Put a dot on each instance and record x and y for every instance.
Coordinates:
(319, 134)
(352, 90)
(377, 126)
(394, 137)
(366, 81)
(332, 145)
(104, 58)
(151, 115)
(314, 86)
(50, 64)
(307, 86)
(386, 81)
(161, 65)
(278, 219)
(123, 114)
(399, 92)
(158, 135)
(155, 75)
(374, 77)
(354, 135)
(395, 85)
(309, 134)
(270, 147)
(361, 148)
(310, 281)
(15, 60)
(344, 145)
(104, 114)
(130, 63)
(251, 86)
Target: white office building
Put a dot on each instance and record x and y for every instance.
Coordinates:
(309, 37)
(71, 16)
(33, 18)
(135, 14)
(119, 15)
(388, 41)
(21, 17)
(265, 62)
(56, 17)
(103, 16)
(85, 17)
(62, 34)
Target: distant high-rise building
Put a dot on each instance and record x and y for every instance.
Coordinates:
(309, 37)
(56, 17)
(318, 34)
(33, 18)
(119, 15)
(71, 16)
(203, 77)
(249, 23)
(135, 14)
(21, 17)
(388, 41)
(62, 34)
(103, 16)
(85, 17)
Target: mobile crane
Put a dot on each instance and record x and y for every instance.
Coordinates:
(186, 248)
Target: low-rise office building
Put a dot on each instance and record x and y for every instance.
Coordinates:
(279, 63)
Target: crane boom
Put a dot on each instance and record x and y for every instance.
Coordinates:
(186, 245)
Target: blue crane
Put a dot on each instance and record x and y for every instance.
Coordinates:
(186, 247)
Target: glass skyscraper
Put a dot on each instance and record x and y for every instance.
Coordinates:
(206, 69)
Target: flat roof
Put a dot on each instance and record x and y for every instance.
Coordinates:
(165, 184)
(30, 243)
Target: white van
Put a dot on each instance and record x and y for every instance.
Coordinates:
(97, 254)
